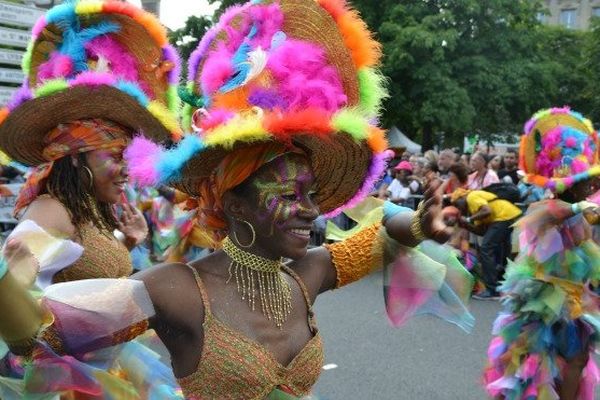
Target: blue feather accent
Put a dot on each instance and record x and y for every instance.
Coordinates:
(134, 91)
(62, 13)
(74, 41)
(241, 65)
(170, 163)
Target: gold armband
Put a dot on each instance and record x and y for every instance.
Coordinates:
(359, 255)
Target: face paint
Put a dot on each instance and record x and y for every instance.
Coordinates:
(282, 192)
(109, 162)
(110, 173)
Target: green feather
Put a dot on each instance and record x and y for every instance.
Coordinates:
(51, 87)
(352, 122)
(372, 90)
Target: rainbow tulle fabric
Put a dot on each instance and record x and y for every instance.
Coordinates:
(428, 280)
(87, 320)
(550, 314)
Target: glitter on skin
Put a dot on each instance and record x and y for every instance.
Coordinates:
(281, 194)
(110, 162)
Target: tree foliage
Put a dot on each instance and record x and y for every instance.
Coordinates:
(186, 39)
(457, 67)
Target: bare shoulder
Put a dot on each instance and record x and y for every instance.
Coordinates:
(51, 215)
(315, 269)
(174, 293)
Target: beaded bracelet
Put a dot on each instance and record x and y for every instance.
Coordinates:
(415, 226)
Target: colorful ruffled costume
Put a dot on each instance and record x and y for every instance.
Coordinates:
(550, 315)
(271, 78)
(96, 73)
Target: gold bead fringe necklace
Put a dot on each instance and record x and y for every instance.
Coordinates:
(254, 274)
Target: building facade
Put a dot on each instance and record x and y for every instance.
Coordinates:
(152, 6)
(572, 14)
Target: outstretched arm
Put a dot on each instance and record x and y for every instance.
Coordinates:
(333, 266)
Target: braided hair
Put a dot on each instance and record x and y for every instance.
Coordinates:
(71, 185)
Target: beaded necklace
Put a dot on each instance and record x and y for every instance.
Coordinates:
(250, 271)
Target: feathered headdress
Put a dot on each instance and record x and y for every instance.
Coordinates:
(558, 149)
(93, 59)
(299, 72)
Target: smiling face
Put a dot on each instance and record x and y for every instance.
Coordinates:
(278, 200)
(478, 162)
(110, 173)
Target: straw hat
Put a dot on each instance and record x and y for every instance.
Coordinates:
(558, 149)
(300, 72)
(93, 59)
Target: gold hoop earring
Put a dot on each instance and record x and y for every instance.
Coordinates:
(247, 246)
(90, 176)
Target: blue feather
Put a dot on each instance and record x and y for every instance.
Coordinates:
(170, 163)
(74, 41)
(134, 91)
(62, 13)
(241, 65)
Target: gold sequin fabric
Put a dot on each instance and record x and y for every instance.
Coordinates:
(103, 257)
(357, 256)
(233, 366)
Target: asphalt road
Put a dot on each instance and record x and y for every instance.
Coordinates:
(427, 359)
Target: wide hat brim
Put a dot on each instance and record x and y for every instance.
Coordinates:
(23, 132)
(339, 163)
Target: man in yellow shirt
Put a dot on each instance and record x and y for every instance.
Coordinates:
(492, 218)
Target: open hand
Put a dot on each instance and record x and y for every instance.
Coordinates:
(432, 221)
(133, 225)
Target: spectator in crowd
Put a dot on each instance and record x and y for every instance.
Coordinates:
(496, 163)
(509, 173)
(466, 160)
(430, 173)
(432, 157)
(458, 177)
(530, 193)
(446, 159)
(492, 218)
(419, 168)
(413, 160)
(381, 187)
(403, 186)
(459, 240)
(406, 155)
(482, 176)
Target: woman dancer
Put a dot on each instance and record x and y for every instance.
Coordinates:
(96, 74)
(549, 324)
(271, 155)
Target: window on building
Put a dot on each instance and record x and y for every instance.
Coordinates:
(596, 11)
(568, 18)
(541, 17)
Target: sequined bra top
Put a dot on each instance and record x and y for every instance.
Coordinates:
(103, 257)
(233, 366)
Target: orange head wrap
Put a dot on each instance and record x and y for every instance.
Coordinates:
(65, 140)
(231, 172)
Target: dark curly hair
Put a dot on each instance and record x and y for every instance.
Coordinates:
(461, 172)
(71, 186)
